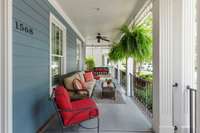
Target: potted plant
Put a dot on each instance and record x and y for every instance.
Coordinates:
(90, 64)
(136, 42)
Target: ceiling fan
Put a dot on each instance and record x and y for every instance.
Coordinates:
(99, 37)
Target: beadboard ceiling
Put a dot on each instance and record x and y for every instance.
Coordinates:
(104, 16)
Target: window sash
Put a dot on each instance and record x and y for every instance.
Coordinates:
(56, 68)
(57, 58)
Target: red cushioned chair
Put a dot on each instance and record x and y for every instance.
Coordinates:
(73, 113)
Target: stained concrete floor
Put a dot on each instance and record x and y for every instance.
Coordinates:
(114, 118)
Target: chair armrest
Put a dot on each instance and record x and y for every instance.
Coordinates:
(72, 90)
(84, 90)
(79, 90)
(81, 110)
(77, 110)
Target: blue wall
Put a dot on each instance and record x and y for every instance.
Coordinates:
(31, 63)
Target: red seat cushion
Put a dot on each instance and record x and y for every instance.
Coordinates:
(85, 103)
(88, 76)
(76, 117)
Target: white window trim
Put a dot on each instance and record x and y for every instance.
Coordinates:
(198, 67)
(54, 20)
(79, 46)
(6, 77)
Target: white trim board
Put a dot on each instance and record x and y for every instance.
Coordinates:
(6, 87)
(79, 47)
(198, 63)
(55, 4)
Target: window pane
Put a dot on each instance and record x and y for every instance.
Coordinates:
(57, 49)
(53, 38)
(78, 54)
(56, 53)
(56, 69)
(61, 43)
(57, 40)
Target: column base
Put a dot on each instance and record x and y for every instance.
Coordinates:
(166, 129)
(184, 129)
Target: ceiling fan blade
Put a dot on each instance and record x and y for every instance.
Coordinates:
(105, 39)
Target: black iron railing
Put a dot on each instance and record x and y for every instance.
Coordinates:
(123, 79)
(143, 94)
(142, 90)
(116, 73)
(192, 109)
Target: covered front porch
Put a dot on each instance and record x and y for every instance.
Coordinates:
(41, 40)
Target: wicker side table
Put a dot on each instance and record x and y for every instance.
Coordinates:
(108, 91)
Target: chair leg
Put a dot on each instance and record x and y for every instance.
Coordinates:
(98, 123)
(62, 130)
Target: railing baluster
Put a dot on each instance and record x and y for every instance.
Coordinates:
(143, 93)
(192, 109)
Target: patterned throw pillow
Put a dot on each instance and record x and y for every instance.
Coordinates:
(83, 84)
(88, 76)
(77, 84)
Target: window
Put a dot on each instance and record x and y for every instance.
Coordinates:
(78, 54)
(57, 50)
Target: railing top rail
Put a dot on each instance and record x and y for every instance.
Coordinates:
(122, 70)
(141, 79)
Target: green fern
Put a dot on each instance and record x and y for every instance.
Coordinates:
(136, 42)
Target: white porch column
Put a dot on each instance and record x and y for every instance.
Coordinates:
(183, 60)
(118, 72)
(174, 41)
(198, 61)
(128, 71)
(162, 64)
(6, 101)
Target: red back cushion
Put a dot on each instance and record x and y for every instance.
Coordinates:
(77, 84)
(62, 98)
(88, 76)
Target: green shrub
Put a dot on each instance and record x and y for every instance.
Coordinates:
(148, 77)
(90, 64)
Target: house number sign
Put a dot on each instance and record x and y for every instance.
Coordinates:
(22, 27)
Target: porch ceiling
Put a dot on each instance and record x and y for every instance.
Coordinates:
(104, 16)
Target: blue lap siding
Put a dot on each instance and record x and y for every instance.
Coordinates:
(31, 107)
